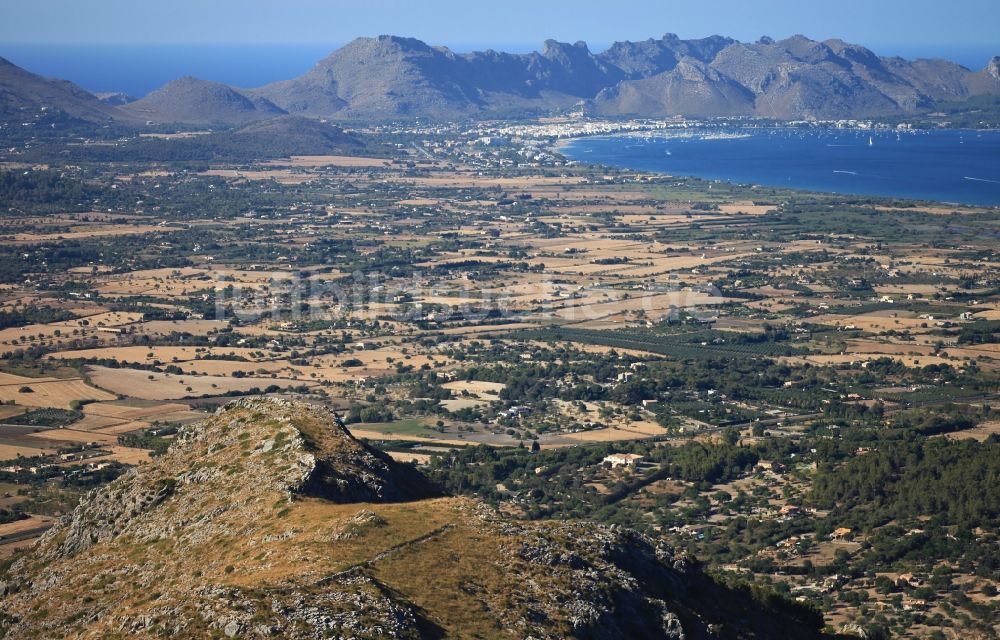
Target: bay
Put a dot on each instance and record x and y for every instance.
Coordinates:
(953, 166)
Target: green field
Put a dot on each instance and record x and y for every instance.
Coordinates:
(411, 427)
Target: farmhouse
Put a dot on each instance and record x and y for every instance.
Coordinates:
(115, 330)
(768, 465)
(908, 580)
(841, 533)
(623, 459)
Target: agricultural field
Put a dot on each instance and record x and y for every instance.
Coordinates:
(505, 325)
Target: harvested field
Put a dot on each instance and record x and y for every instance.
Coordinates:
(11, 452)
(107, 319)
(613, 434)
(361, 432)
(131, 409)
(746, 207)
(479, 389)
(124, 455)
(457, 404)
(848, 358)
(126, 427)
(282, 176)
(147, 385)
(194, 327)
(19, 526)
(75, 435)
(980, 432)
(48, 392)
(333, 161)
(406, 456)
(8, 411)
(165, 355)
(91, 232)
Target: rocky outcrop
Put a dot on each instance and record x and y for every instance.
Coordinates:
(270, 520)
(115, 98)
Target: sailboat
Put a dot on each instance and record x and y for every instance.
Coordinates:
(871, 141)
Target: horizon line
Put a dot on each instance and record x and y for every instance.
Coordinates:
(483, 43)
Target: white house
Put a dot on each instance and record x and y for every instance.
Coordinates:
(623, 459)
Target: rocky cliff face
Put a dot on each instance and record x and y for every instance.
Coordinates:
(269, 520)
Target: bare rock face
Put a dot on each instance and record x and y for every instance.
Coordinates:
(269, 520)
(993, 68)
(115, 98)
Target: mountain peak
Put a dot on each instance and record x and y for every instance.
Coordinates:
(193, 100)
(391, 43)
(554, 48)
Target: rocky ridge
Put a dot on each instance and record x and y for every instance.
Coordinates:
(24, 95)
(270, 520)
(389, 76)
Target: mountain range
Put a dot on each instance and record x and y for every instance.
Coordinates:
(390, 77)
(269, 519)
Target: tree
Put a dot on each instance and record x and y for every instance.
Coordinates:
(731, 436)
(884, 585)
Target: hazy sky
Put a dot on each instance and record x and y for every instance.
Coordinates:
(465, 23)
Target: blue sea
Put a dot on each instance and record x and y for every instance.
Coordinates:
(955, 166)
(137, 69)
